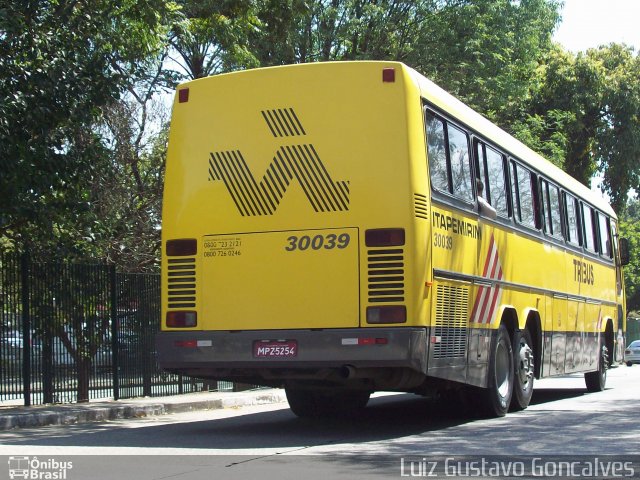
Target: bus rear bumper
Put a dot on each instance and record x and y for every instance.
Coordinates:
(332, 355)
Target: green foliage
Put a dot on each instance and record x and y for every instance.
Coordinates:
(630, 229)
(126, 198)
(618, 137)
(586, 112)
(545, 134)
(213, 37)
(60, 62)
(82, 151)
(297, 31)
(487, 52)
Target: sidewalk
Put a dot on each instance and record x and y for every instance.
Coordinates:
(99, 411)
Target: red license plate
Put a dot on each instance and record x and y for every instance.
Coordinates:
(275, 348)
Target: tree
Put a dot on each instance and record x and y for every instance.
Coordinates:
(486, 52)
(585, 115)
(630, 229)
(60, 62)
(212, 37)
(618, 137)
(296, 31)
(81, 175)
(126, 194)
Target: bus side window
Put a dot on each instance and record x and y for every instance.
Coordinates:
(570, 204)
(496, 182)
(514, 192)
(449, 160)
(555, 212)
(481, 164)
(523, 196)
(436, 149)
(588, 228)
(460, 166)
(545, 210)
(605, 236)
(551, 209)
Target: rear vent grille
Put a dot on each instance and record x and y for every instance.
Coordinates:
(452, 310)
(420, 206)
(181, 283)
(386, 275)
(283, 122)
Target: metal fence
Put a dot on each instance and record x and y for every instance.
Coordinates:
(72, 332)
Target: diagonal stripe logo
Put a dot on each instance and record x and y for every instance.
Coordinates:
(488, 298)
(300, 163)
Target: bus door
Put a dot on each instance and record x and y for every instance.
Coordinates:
(559, 332)
(547, 328)
(454, 246)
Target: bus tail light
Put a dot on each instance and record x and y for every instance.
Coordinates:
(384, 237)
(182, 247)
(182, 319)
(365, 341)
(387, 314)
(388, 75)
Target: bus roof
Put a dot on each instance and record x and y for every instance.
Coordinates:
(440, 98)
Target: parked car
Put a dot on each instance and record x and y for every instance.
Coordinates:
(12, 345)
(62, 359)
(632, 353)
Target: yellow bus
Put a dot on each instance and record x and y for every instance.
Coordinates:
(337, 229)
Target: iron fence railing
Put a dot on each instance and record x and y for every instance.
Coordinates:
(75, 332)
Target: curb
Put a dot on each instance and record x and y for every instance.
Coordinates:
(40, 416)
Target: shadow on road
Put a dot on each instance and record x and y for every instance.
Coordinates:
(389, 417)
(384, 418)
(546, 395)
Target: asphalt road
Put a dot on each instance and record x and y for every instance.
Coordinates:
(397, 436)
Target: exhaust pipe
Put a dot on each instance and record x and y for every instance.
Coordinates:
(347, 372)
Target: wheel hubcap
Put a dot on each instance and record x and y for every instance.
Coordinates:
(502, 370)
(525, 365)
(605, 362)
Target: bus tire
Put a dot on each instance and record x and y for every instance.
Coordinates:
(310, 403)
(596, 381)
(523, 360)
(497, 395)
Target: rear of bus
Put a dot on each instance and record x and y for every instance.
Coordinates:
(294, 229)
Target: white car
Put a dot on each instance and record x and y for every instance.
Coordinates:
(632, 353)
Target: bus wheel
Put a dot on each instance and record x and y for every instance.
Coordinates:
(524, 371)
(597, 380)
(497, 395)
(322, 403)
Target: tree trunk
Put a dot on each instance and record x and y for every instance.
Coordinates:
(84, 375)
